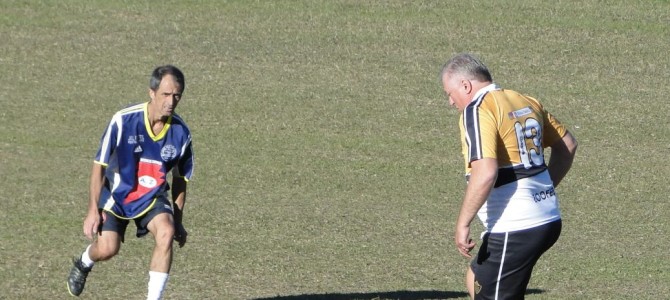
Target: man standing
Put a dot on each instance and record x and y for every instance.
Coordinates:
(141, 144)
(510, 188)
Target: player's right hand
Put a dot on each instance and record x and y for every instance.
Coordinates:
(91, 224)
(463, 242)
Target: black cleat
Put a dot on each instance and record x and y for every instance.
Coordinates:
(77, 278)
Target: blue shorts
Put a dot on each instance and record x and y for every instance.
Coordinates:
(118, 225)
(505, 260)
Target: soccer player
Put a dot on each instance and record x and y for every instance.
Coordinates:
(141, 144)
(509, 186)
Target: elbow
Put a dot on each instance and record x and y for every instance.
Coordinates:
(564, 150)
(572, 146)
(567, 146)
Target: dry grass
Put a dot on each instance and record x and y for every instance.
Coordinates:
(328, 162)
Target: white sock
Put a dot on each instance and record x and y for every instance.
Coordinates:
(157, 281)
(88, 262)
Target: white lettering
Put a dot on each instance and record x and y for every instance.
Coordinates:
(147, 181)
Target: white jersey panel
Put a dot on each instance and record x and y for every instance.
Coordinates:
(522, 204)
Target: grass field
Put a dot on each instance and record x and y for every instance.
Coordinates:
(328, 161)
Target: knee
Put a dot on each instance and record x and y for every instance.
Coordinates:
(164, 236)
(104, 251)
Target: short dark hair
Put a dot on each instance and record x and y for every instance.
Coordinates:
(160, 72)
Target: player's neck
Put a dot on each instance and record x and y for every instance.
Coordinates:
(157, 125)
(478, 85)
(156, 121)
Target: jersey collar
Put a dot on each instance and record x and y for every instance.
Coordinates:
(486, 89)
(161, 134)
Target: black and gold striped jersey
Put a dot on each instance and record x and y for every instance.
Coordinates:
(514, 129)
(510, 127)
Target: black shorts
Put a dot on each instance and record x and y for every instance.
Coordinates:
(505, 261)
(118, 225)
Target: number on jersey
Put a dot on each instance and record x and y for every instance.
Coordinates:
(529, 139)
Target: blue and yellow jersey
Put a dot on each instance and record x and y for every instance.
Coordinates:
(137, 162)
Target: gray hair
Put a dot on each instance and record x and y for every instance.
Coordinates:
(467, 65)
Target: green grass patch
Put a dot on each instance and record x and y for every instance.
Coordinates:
(328, 161)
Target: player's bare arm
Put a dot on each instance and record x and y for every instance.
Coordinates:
(179, 198)
(483, 176)
(92, 216)
(562, 154)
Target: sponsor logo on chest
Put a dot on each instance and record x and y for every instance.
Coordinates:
(147, 181)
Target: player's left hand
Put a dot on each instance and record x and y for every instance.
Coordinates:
(180, 234)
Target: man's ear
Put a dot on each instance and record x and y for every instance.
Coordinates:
(152, 94)
(467, 85)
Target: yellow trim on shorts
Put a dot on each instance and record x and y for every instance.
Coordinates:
(144, 212)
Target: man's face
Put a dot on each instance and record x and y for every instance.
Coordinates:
(165, 98)
(458, 90)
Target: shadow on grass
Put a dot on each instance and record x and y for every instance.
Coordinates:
(397, 295)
